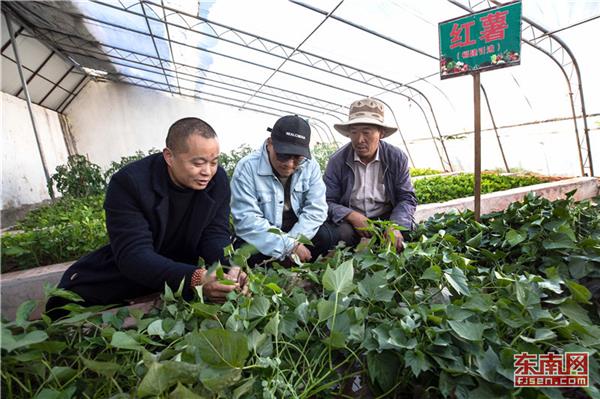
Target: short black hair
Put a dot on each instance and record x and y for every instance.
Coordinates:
(183, 128)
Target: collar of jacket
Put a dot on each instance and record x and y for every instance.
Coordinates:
(383, 147)
(160, 185)
(264, 165)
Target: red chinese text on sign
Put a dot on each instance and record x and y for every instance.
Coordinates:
(576, 363)
(460, 36)
(551, 363)
(570, 369)
(525, 363)
(494, 26)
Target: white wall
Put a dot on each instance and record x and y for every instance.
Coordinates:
(109, 120)
(23, 180)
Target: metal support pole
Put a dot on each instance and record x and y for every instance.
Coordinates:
(28, 99)
(487, 101)
(477, 123)
(399, 131)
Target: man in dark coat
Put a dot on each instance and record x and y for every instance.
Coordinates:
(163, 212)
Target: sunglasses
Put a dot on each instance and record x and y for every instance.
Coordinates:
(287, 157)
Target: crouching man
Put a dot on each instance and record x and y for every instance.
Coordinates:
(163, 212)
(368, 178)
(280, 186)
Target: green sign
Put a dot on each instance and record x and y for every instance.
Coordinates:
(482, 41)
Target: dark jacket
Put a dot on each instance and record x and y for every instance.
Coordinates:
(339, 179)
(137, 212)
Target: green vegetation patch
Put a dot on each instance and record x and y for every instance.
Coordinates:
(446, 188)
(442, 319)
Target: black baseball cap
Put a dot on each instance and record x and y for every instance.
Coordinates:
(291, 135)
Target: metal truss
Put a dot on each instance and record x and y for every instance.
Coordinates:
(545, 41)
(102, 53)
(232, 102)
(176, 19)
(394, 87)
(189, 74)
(72, 45)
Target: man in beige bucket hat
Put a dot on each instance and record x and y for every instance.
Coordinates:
(368, 178)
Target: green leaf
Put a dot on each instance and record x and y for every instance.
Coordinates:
(10, 342)
(558, 241)
(457, 313)
(62, 374)
(106, 369)
(515, 237)
(336, 340)
(487, 364)
(205, 310)
(433, 273)
(467, 330)
(259, 307)
(416, 361)
(123, 341)
(156, 328)
(218, 379)
(162, 376)
(272, 326)
(339, 281)
(392, 338)
(50, 291)
(374, 287)
(456, 278)
(383, 368)
(244, 388)
(222, 348)
(526, 295)
(273, 287)
(541, 334)
(181, 392)
(23, 312)
(168, 294)
(475, 242)
(575, 312)
(479, 303)
(580, 293)
(325, 309)
(302, 239)
(48, 393)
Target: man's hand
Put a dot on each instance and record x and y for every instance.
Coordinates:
(217, 292)
(396, 236)
(236, 274)
(302, 252)
(359, 222)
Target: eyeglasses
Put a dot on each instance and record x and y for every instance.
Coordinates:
(287, 157)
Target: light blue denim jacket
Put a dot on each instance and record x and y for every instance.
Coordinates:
(257, 203)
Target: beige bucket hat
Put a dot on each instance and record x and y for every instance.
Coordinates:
(365, 111)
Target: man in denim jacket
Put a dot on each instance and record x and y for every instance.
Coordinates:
(280, 186)
(368, 178)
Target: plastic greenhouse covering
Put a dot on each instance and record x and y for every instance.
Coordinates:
(314, 58)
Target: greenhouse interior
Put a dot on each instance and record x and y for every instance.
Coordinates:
(300, 199)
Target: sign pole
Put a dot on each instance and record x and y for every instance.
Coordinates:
(477, 123)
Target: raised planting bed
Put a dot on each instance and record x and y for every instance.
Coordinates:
(18, 286)
(442, 319)
(70, 228)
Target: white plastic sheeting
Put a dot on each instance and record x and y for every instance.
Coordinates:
(236, 59)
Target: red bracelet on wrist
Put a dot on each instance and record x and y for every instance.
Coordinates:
(198, 277)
